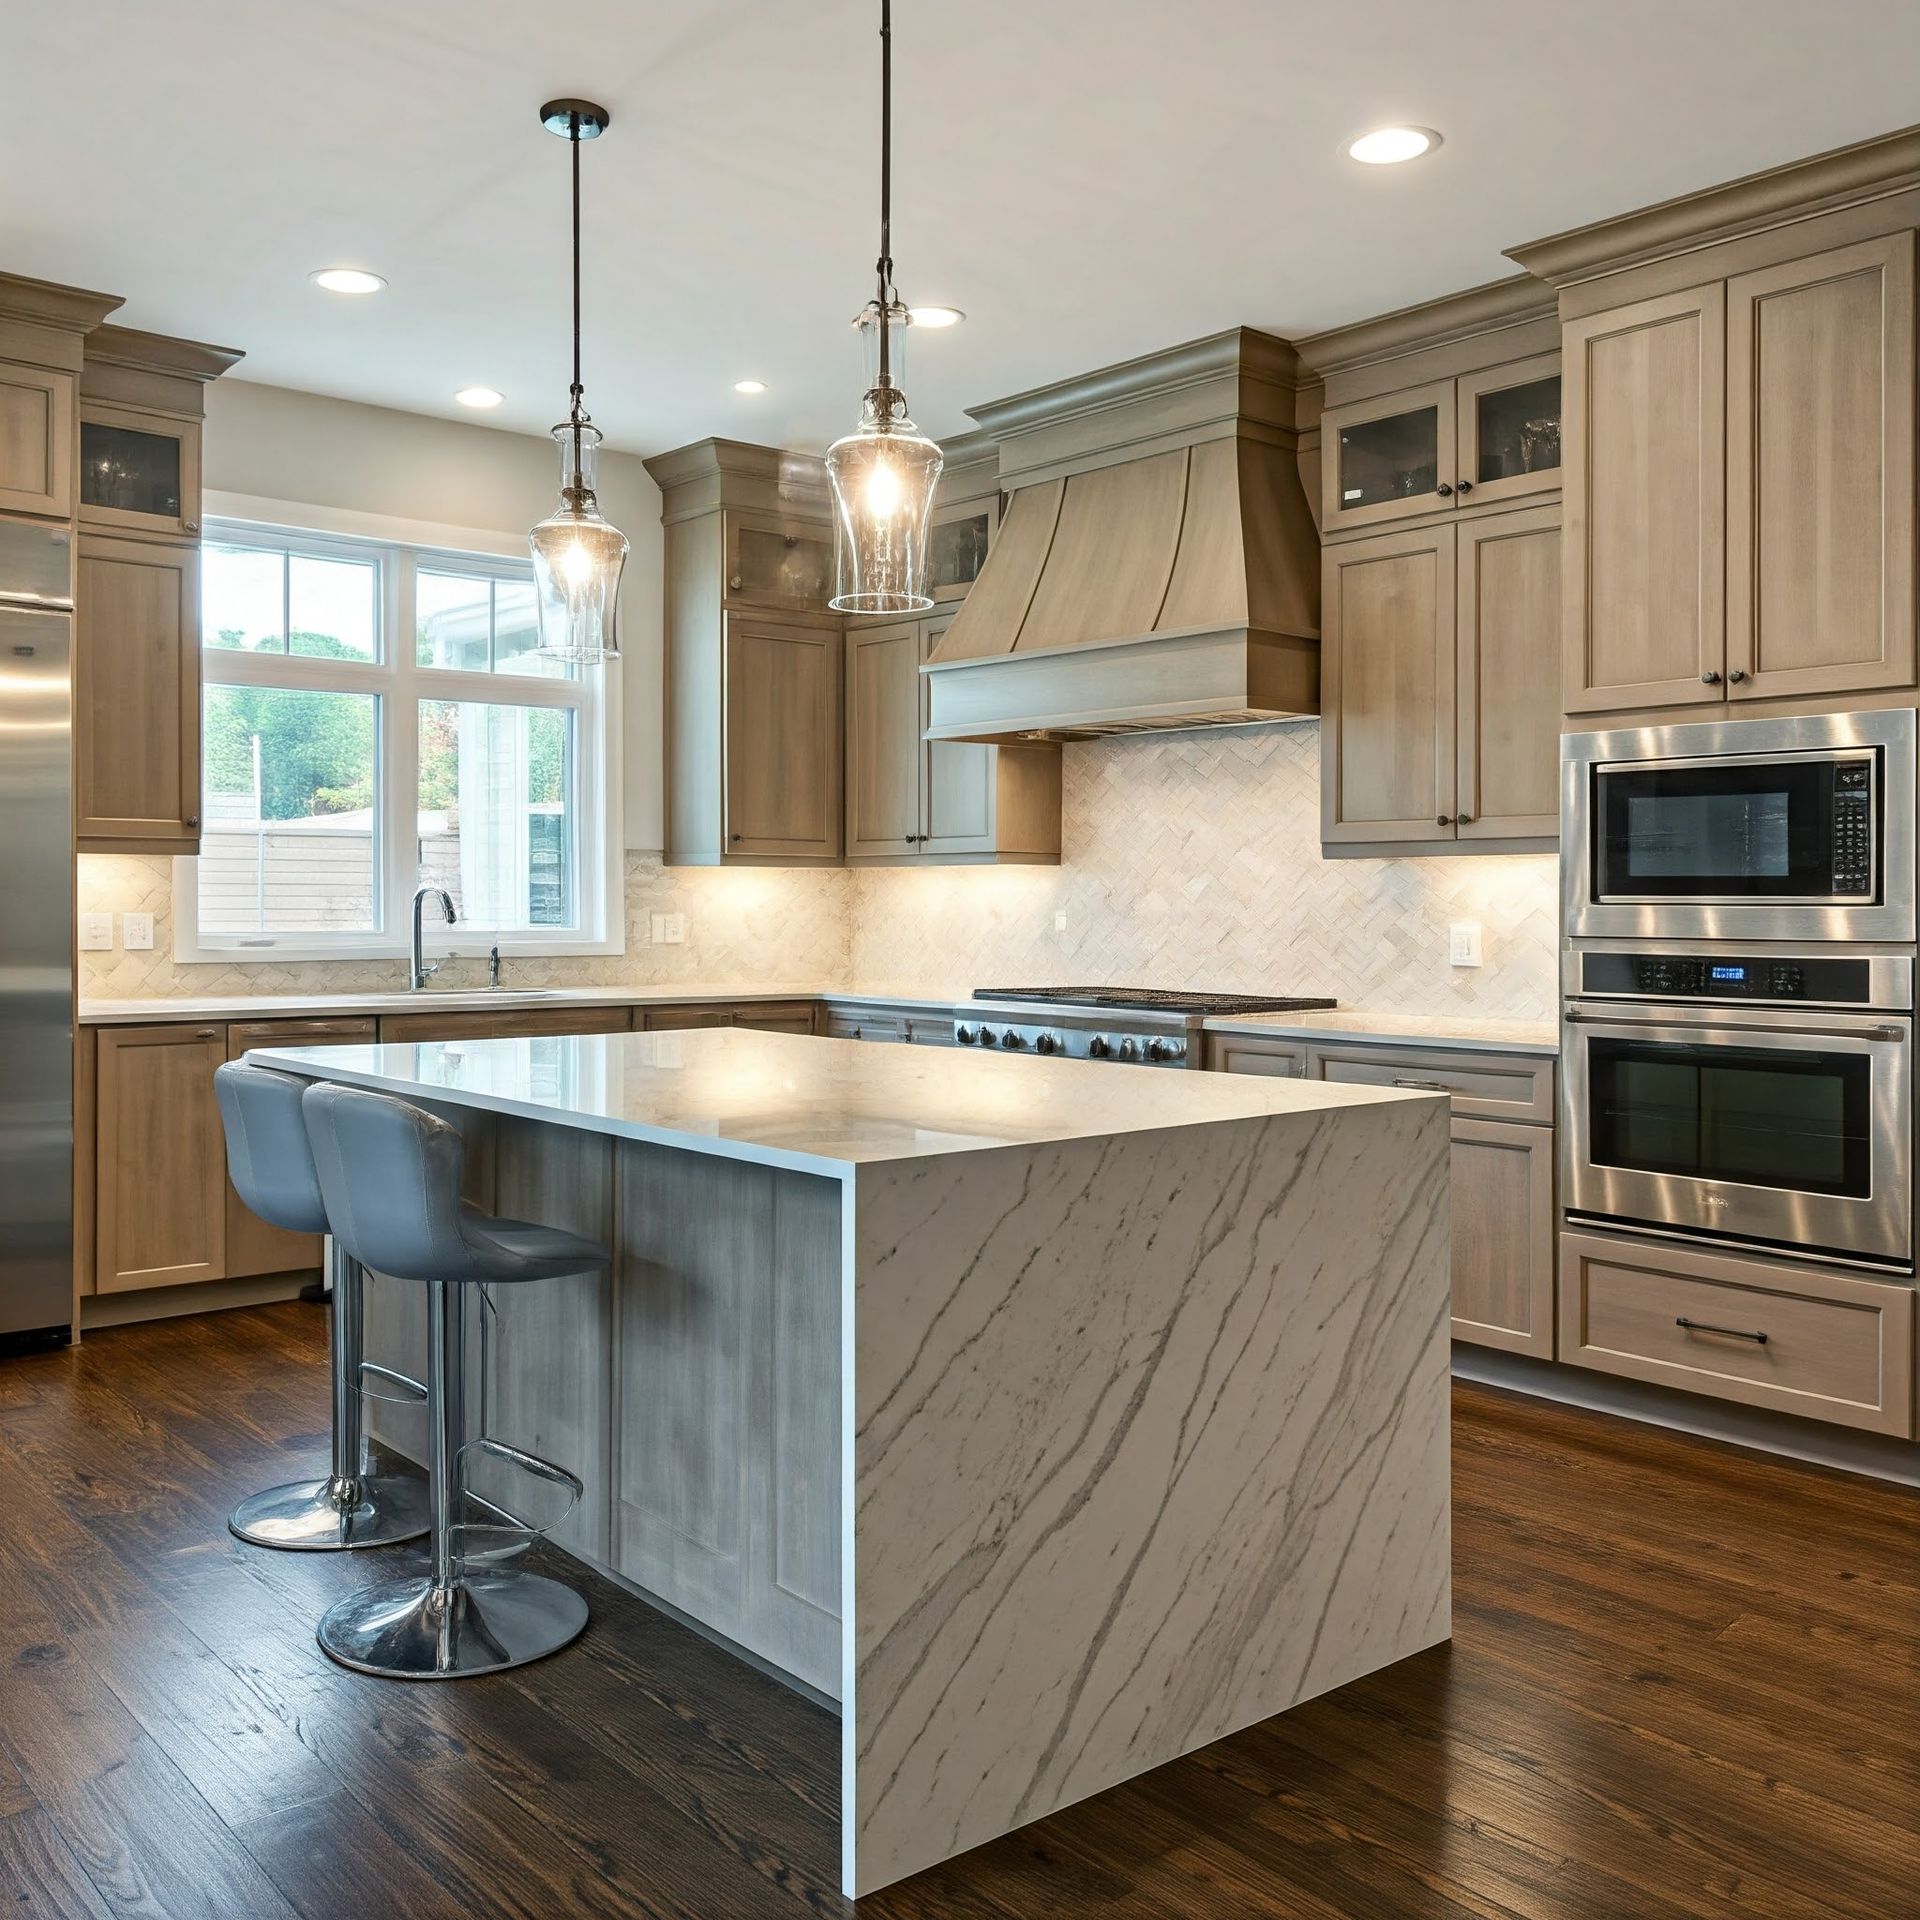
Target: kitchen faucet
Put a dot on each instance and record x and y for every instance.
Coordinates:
(421, 971)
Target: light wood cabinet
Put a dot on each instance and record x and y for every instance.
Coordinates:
(139, 470)
(160, 1179)
(252, 1246)
(1644, 502)
(1440, 691)
(681, 1019)
(1820, 473)
(934, 801)
(36, 441)
(779, 564)
(137, 695)
(508, 1023)
(791, 1016)
(781, 746)
(1503, 1235)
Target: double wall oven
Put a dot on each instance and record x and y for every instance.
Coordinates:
(1739, 984)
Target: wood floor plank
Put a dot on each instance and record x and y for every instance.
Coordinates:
(1684, 1685)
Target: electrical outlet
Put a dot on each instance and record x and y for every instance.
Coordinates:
(1463, 943)
(96, 933)
(136, 932)
(669, 929)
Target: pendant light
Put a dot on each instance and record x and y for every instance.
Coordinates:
(884, 472)
(577, 555)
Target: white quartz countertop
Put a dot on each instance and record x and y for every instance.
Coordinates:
(814, 1104)
(1349, 1023)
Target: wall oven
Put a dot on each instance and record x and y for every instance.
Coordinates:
(1777, 829)
(1763, 1100)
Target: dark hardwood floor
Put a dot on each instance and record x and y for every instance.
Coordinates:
(1685, 1681)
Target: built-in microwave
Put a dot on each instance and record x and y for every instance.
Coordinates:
(1777, 829)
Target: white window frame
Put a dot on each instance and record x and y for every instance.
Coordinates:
(592, 695)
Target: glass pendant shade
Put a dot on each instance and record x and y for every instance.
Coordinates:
(577, 559)
(883, 475)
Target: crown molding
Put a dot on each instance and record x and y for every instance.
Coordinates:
(112, 346)
(1433, 323)
(49, 304)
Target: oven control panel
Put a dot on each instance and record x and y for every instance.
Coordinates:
(1853, 827)
(1726, 976)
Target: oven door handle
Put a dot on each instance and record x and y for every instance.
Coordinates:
(1842, 1029)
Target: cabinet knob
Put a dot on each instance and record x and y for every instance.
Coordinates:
(192, 820)
(1710, 678)
(1736, 676)
(192, 526)
(1443, 819)
(1466, 486)
(1465, 820)
(734, 583)
(1443, 489)
(206, 1033)
(733, 836)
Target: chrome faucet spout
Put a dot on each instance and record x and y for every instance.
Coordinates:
(420, 971)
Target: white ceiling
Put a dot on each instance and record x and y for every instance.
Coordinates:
(1089, 179)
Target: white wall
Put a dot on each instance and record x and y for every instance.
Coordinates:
(438, 477)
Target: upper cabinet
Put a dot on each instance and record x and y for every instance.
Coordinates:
(36, 441)
(753, 658)
(1739, 382)
(136, 672)
(963, 530)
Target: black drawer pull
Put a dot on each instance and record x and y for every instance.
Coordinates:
(1732, 1333)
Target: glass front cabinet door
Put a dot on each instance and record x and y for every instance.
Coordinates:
(139, 472)
(778, 563)
(1509, 431)
(957, 545)
(1386, 458)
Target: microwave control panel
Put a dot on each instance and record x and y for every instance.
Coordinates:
(1853, 827)
(1664, 976)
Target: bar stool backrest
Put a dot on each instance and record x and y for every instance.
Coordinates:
(268, 1158)
(390, 1174)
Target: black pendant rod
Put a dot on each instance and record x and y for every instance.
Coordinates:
(573, 140)
(885, 263)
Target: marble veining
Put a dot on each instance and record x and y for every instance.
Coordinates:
(1149, 1443)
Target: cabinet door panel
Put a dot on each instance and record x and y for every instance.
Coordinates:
(1386, 458)
(1644, 445)
(783, 740)
(1503, 1236)
(36, 441)
(1507, 628)
(959, 779)
(139, 471)
(1820, 431)
(883, 740)
(137, 694)
(1509, 431)
(160, 1178)
(1387, 688)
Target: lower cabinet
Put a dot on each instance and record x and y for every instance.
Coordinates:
(848, 1024)
(1502, 1167)
(519, 1024)
(795, 1016)
(1765, 1333)
(160, 1180)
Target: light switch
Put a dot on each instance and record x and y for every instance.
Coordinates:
(669, 929)
(96, 933)
(1060, 920)
(136, 932)
(1463, 943)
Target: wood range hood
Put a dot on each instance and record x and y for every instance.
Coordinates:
(1158, 565)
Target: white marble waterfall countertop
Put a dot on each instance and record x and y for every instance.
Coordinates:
(812, 1104)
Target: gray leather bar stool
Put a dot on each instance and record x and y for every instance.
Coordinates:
(271, 1166)
(390, 1174)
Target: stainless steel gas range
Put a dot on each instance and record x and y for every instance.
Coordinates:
(1134, 1026)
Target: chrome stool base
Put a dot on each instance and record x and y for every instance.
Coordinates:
(483, 1623)
(333, 1516)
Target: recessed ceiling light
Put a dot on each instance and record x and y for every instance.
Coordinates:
(478, 397)
(347, 280)
(749, 386)
(1388, 146)
(936, 316)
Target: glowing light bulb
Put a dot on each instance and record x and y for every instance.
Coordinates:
(883, 490)
(576, 565)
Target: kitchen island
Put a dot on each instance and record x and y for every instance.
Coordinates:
(1053, 1418)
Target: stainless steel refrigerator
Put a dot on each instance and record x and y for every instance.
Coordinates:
(36, 933)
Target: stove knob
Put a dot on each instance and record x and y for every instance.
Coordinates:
(1046, 1043)
(965, 1035)
(1012, 1040)
(1166, 1050)
(1099, 1047)
(986, 1036)
(1129, 1048)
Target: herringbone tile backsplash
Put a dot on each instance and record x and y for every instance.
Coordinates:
(1191, 860)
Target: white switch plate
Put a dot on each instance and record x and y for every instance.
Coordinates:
(1060, 920)
(669, 929)
(136, 932)
(1463, 943)
(96, 933)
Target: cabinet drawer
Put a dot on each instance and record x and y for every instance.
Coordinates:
(1835, 1348)
(330, 1031)
(679, 1019)
(1485, 1086)
(562, 1021)
(776, 1016)
(1241, 1053)
(865, 1026)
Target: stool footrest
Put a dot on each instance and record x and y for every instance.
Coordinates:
(413, 1393)
(516, 1535)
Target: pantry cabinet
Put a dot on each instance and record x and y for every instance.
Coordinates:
(910, 799)
(1739, 499)
(1439, 688)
